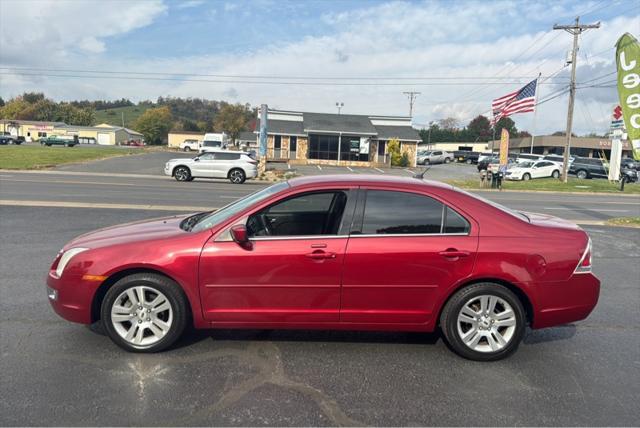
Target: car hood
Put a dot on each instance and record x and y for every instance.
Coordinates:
(160, 228)
(183, 160)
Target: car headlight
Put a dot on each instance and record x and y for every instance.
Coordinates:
(66, 257)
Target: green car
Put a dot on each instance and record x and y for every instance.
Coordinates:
(59, 141)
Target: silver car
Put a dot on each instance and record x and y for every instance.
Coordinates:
(434, 156)
(234, 166)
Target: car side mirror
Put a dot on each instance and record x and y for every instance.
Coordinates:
(196, 159)
(240, 235)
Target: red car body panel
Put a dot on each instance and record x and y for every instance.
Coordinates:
(383, 282)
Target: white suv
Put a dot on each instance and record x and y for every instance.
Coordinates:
(189, 145)
(234, 166)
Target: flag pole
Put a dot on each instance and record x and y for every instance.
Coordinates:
(535, 113)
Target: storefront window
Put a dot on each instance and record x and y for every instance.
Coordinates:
(326, 147)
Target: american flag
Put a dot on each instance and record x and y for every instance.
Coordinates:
(520, 101)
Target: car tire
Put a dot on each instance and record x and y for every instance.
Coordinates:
(182, 173)
(447, 160)
(153, 328)
(469, 161)
(555, 174)
(582, 174)
(237, 176)
(472, 334)
(526, 176)
(186, 149)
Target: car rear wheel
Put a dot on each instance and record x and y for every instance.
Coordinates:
(469, 161)
(555, 174)
(182, 173)
(186, 149)
(237, 176)
(483, 322)
(526, 176)
(144, 312)
(582, 174)
(447, 160)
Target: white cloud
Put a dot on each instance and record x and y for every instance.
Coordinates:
(187, 4)
(31, 31)
(390, 40)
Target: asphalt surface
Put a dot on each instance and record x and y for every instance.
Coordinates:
(159, 190)
(57, 373)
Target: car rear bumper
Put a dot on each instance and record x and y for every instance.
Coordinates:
(567, 301)
(72, 298)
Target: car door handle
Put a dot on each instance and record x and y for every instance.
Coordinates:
(452, 253)
(321, 255)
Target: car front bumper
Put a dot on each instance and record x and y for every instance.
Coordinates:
(71, 297)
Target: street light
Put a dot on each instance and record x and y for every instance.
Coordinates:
(339, 105)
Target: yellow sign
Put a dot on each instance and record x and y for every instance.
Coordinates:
(504, 147)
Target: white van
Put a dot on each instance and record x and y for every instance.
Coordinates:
(214, 141)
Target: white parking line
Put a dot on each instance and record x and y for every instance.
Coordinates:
(349, 169)
(409, 171)
(575, 209)
(378, 169)
(319, 167)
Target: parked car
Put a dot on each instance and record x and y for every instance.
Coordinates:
(558, 159)
(213, 141)
(55, 140)
(234, 166)
(433, 157)
(5, 140)
(466, 156)
(483, 156)
(628, 163)
(527, 170)
(190, 145)
(589, 168)
(528, 157)
(304, 254)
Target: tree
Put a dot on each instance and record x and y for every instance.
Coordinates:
(13, 108)
(154, 124)
(1, 102)
(480, 128)
(450, 123)
(508, 124)
(232, 119)
(393, 148)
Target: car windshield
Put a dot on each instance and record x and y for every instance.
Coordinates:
(509, 211)
(212, 143)
(527, 164)
(211, 219)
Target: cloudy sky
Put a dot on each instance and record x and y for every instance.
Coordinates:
(309, 54)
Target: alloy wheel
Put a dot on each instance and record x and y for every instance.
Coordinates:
(141, 316)
(236, 176)
(182, 174)
(486, 323)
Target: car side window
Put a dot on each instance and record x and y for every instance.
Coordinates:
(390, 212)
(206, 156)
(309, 214)
(227, 156)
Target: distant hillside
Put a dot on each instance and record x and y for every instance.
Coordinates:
(114, 116)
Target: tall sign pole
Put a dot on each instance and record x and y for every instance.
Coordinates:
(262, 163)
(575, 29)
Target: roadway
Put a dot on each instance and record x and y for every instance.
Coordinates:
(157, 191)
(53, 372)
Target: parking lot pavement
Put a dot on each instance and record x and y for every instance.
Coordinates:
(57, 373)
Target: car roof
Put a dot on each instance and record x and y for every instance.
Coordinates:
(363, 180)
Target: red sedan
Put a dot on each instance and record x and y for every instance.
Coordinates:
(333, 252)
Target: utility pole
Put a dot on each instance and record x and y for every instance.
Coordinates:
(575, 29)
(412, 96)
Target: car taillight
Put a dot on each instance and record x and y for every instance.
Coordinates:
(253, 161)
(584, 266)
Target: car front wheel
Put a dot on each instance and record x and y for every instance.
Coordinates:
(526, 177)
(182, 173)
(186, 149)
(555, 174)
(144, 312)
(237, 176)
(582, 174)
(447, 160)
(483, 322)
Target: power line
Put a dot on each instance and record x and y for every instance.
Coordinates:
(263, 82)
(247, 76)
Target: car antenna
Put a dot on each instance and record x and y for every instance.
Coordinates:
(420, 175)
